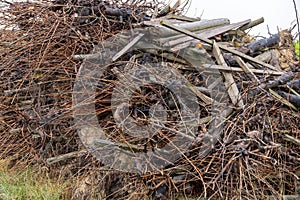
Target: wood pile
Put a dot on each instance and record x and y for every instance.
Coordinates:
(45, 44)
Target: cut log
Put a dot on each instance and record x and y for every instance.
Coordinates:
(259, 45)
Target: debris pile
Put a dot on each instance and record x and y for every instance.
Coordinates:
(46, 46)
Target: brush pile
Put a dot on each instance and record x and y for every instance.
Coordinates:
(44, 46)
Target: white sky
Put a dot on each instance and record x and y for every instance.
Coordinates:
(277, 13)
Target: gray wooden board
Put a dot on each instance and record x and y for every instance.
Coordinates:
(211, 32)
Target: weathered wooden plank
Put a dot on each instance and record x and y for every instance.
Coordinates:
(182, 18)
(247, 70)
(191, 34)
(208, 33)
(206, 99)
(161, 31)
(128, 46)
(252, 24)
(230, 84)
(237, 69)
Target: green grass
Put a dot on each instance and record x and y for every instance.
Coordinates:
(26, 184)
(297, 47)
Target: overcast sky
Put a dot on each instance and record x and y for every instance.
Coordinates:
(279, 13)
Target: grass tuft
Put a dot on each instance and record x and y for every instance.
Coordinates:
(26, 184)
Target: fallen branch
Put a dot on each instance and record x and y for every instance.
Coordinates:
(281, 99)
(294, 99)
(283, 79)
(292, 139)
(63, 157)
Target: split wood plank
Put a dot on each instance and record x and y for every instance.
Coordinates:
(182, 18)
(159, 31)
(252, 24)
(208, 33)
(282, 99)
(235, 52)
(215, 83)
(206, 99)
(128, 46)
(247, 70)
(237, 69)
(230, 84)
